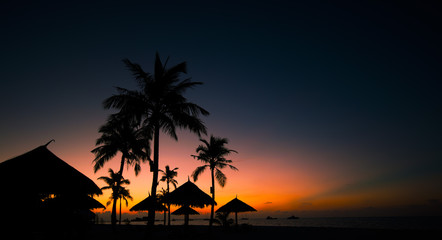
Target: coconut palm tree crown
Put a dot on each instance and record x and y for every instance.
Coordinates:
(159, 105)
(168, 176)
(212, 153)
(121, 135)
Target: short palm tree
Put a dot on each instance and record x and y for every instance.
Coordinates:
(114, 182)
(222, 218)
(213, 154)
(124, 194)
(159, 105)
(120, 134)
(161, 197)
(168, 177)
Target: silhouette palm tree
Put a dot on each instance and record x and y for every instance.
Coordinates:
(159, 105)
(114, 182)
(212, 154)
(124, 194)
(121, 135)
(161, 197)
(168, 177)
(222, 218)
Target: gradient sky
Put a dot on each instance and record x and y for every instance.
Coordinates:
(335, 108)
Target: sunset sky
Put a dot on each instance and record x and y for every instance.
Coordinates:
(335, 109)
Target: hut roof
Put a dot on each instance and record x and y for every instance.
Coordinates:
(236, 205)
(185, 210)
(39, 171)
(77, 202)
(144, 205)
(189, 194)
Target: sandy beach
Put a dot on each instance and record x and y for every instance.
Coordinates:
(242, 232)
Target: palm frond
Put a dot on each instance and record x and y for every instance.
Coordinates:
(140, 75)
(233, 167)
(168, 127)
(174, 183)
(137, 169)
(220, 177)
(184, 85)
(105, 188)
(175, 70)
(125, 181)
(158, 68)
(198, 171)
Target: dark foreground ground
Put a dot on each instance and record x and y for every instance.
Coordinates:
(105, 232)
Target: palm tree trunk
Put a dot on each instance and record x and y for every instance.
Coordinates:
(212, 210)
(165, 215)
(123, 159)
(168, 214)
(153, 192)
(168, 207)
(114, 206)
(120, 213)
(114, 213)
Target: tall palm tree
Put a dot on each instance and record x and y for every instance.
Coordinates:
(168, 177)
(159, 105)
(120, 135)
(114, 182)
(213, 154)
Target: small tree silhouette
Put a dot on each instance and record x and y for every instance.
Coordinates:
(115, 182)
(212, 154)
(168, 177)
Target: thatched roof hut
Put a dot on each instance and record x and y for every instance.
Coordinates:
(39, 171)
(46, 191)
(71, 201)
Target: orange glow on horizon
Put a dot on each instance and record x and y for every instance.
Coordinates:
(282, 181)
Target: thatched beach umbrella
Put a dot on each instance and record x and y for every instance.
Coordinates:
(146, 203)
(189, 195)
(236, 206)
(186, 211)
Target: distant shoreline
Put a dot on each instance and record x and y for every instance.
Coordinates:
(104, 231)
(397, 223)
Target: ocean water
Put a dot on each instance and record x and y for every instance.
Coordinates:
(424, 223)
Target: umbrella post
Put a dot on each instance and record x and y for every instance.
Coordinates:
(236, 218)
(186, 219)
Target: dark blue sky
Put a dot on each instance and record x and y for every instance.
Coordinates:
(367, 65)
(362, 78)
